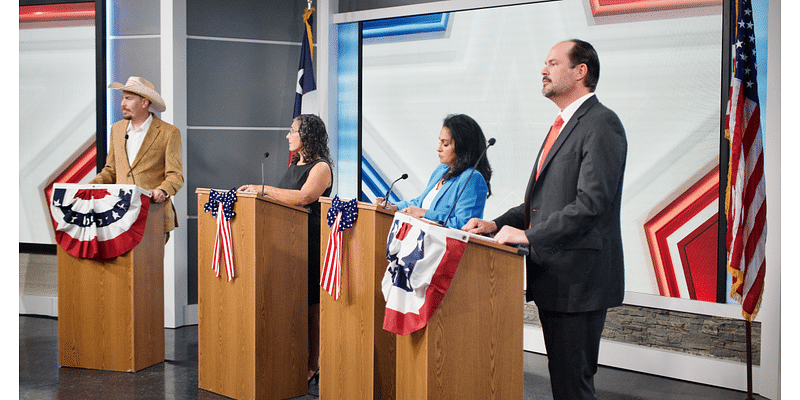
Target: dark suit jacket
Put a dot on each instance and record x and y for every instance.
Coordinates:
(157, 165)
(575, 262)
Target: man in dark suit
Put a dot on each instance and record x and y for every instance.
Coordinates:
(571, 221)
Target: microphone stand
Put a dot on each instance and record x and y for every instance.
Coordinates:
(386, 198)
(474, 167)
(130, 168)
(262, 172)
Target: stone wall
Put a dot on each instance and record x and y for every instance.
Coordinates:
(701, 335)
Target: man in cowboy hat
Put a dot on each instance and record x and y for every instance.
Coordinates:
(145, 150)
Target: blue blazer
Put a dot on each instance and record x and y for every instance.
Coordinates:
(470, 205)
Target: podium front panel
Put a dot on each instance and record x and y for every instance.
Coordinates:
(357, 355)
(253, 330)
(111, 312)
(472, 345)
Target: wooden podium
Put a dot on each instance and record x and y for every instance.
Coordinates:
(111, 313)
(471, 347)
(357, 355)
(253, 331)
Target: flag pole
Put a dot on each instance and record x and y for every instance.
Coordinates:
(749, 344)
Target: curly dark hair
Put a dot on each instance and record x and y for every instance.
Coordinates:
(314, 137)
(470, 143)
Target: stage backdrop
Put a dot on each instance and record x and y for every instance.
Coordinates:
(660, 71)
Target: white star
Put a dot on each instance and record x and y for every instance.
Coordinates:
(738, 43)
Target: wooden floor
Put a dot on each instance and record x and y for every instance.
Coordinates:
(41, 378)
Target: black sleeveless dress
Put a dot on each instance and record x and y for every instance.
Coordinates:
(294, 179)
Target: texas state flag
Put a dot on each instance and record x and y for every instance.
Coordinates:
(98, 221)
(422, 262)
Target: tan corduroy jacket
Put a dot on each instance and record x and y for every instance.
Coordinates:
(157, 165)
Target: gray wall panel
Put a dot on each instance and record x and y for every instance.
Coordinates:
(224, 159)
(240, 84)
(141, 17)
(247, 19)
(134, 57)
(237, 84)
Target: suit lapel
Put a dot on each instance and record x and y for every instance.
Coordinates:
(121, 144)
(149, 138)
(445, 185)
(567, 130)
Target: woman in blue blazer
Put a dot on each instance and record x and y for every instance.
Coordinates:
(461, 143)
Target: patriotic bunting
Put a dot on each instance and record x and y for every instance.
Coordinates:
(98, 221)
(422, 262)
(221, 206)
(341, 216)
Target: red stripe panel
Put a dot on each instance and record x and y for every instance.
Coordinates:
(56, 12)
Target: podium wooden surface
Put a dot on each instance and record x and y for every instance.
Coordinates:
(253, 331)
(472, 345)
(357, 355)
(111, 312)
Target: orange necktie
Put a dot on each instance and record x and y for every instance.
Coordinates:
(551, 138)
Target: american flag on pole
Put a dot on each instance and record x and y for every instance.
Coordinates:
(423, 259)
(341, 216)
(745, 200)
(221, 206)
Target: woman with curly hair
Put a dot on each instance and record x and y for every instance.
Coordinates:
(309, 176)
(461, 143)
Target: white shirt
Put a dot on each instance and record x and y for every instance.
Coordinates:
(136, 137)
(428, 200)
(569, 110)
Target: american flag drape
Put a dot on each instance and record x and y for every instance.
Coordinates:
(745, 200)
(341, 216)
(423, 259)
(98, 221)
(221, 206)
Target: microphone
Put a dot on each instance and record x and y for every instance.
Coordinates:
(490, 143)
(129, 159)
(262, 172)
(386, 198)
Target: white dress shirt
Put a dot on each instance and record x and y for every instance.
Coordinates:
(136, 137)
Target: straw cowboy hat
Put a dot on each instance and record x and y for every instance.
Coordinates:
(143, 88)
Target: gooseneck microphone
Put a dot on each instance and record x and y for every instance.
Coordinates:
(386, 198)
(130, 167)
(262, 172)
(490, 143)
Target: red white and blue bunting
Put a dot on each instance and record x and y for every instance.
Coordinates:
(341, 216)
(221, 206)
(98, 221)
(422, 262)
